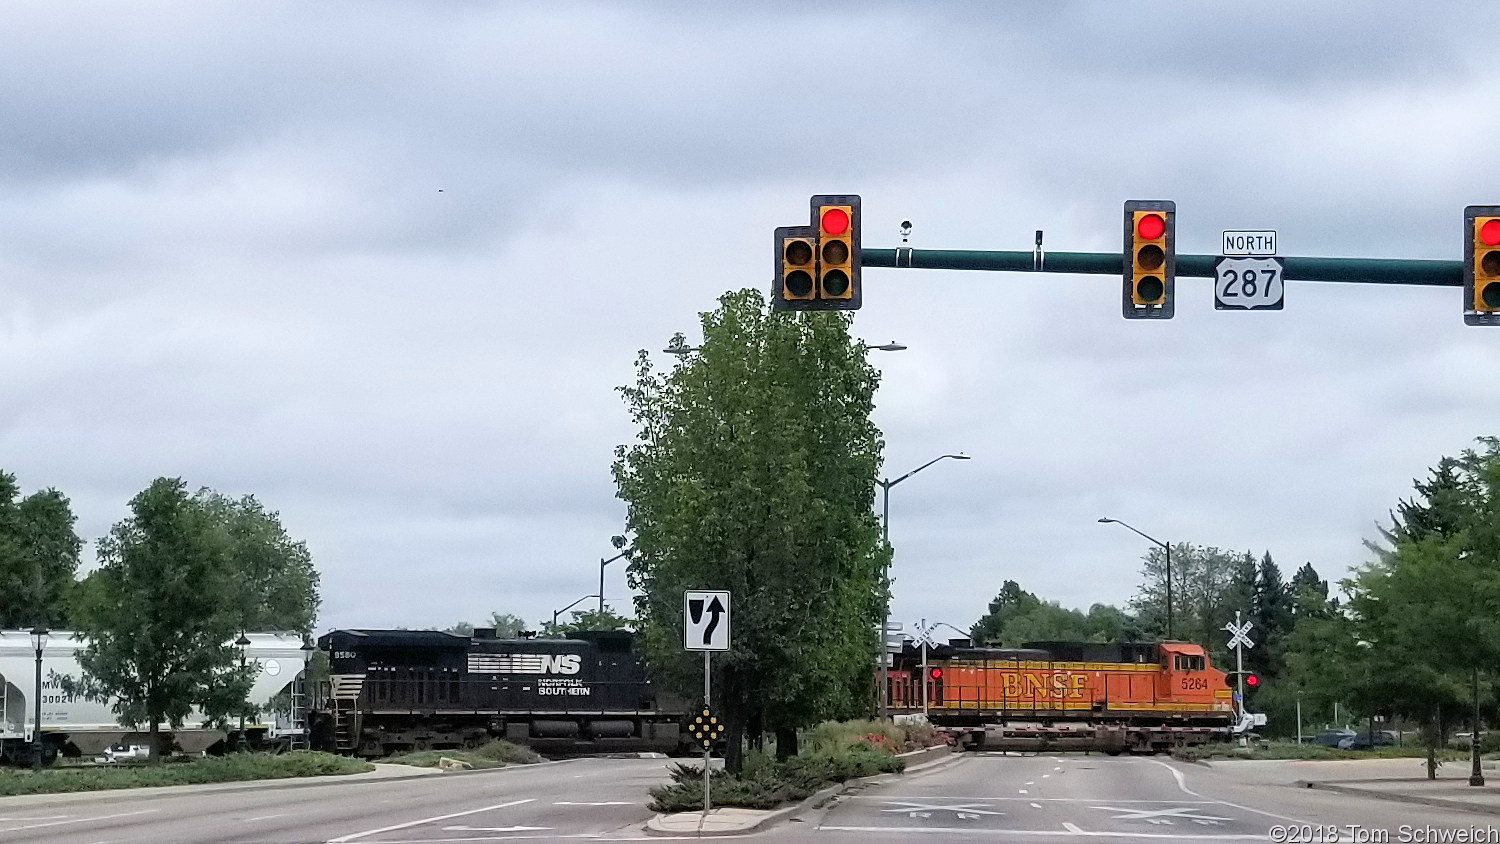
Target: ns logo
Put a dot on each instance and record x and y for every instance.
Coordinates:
(560, 664)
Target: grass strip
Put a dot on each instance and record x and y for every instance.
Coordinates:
(233, 767)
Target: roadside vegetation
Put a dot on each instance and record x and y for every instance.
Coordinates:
(1308, 750)
(831, 753)
(496, 754)
(179, 770)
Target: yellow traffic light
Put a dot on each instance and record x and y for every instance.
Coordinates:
(1482, 265)
(1150, 259)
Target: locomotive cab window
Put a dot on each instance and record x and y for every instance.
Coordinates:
(1189, 663)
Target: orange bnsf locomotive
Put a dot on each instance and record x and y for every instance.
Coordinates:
(1141, 697)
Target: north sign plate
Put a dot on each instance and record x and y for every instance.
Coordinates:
(1248, 284)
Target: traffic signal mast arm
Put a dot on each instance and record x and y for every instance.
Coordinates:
(1357, 270)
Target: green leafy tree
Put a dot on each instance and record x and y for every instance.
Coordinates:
(1011, 601)
(505, 625)
(754, 471)
(588, 620)
(1273, 617)
(274, 583)
(161, 621)
(38, 556)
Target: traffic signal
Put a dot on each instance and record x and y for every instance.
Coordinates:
(795, 265)
(1252, 680)
(1482, 265)
(1150, 258)
(937, 673)
(817, 266)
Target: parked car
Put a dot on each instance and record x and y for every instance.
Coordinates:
(1331, 738)
(1365, 741)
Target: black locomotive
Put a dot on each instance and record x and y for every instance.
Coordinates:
(393, 691)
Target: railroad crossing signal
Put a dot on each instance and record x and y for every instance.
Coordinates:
(1150, 258)
(1482, 265)
(818, 265)
(706, 729)
(1239, 635)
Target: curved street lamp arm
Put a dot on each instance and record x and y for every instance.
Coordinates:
(889, 484)
(1137, 533)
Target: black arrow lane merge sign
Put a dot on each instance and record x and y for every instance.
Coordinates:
(715, 609)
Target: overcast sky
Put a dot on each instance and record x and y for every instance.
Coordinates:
(382, 264)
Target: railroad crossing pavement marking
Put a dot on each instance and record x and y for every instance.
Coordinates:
(409, 824)
(965, 811)
(1163, 816)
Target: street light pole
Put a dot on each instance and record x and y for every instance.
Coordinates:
(1167, 549)
(38, 641)
(885, 535)
(556, 613)
(242, 642)
(619, 542)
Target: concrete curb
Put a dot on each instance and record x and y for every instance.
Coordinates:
(1460, 805)
(109, 795)
(916, 760)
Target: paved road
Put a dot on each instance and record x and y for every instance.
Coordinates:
(577, 798)
(1034, 798)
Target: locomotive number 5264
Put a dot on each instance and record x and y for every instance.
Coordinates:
(1195, 682)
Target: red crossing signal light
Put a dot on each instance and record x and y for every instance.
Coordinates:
(936, 673)
(1251, 680)
(1150, 258)
(1482, 265)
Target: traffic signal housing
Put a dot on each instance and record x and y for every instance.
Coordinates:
(817, 266)
(1482, 265)
(1150, 270)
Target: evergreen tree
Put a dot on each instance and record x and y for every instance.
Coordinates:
(38, 556)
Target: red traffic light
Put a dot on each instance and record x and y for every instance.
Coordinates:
(1252, 680)
(936, 673)
(835, 221)
(1490, 232)
(1151, 226)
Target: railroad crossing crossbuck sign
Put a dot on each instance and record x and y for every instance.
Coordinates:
(706, 729)
(1239, 635)
(705, 621)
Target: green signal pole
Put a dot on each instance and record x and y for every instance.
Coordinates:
(1357, 270)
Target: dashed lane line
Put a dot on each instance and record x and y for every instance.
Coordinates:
(77, 820)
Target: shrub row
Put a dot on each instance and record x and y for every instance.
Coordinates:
(496, 754)
(766, 784)
(230, 768)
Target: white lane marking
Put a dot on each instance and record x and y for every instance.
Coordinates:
(497, 829)
(887, 799)
(353, 835)
(1184, 812)
(1044, 776)
(265, 817)
(1036, 805)
(926, 809)
(78, 820)
(604, 803)
(1070, 831)
(1023, 791)
(1033, 782)
(1073, 828)
(1057, 769)
(38, 818)
(1182, 784)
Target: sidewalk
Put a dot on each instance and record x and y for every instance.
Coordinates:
(736, 821)
(1403, 780)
